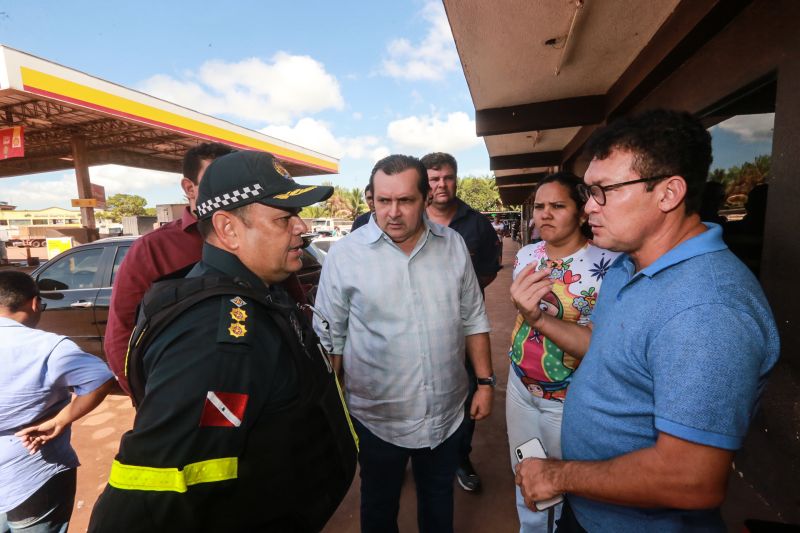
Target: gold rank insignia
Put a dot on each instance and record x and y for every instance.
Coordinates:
(237, 330)
(238, 302)
(240, 315)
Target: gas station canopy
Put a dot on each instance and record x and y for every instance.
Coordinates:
(68, 115)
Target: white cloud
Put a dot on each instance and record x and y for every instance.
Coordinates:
(431, 133)
(252, 90)
(37, 193)
(750, 128)
(317, 135)
(432, 58)
(130, 180)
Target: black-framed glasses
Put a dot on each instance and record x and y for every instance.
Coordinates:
(598, 192)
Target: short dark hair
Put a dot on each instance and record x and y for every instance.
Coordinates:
(396, 163)
(206, 227)
(202, 152)
(569, 181)
(16, 289)
(663, 142)
(368, 188)
(437, 160)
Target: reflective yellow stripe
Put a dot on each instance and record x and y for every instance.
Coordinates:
(347, 413)
(130, 477)
(128, 349)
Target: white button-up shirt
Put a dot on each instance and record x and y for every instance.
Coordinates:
(399, 322)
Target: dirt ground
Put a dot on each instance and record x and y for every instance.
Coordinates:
(96, 440)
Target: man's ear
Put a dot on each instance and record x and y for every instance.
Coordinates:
(672, 193)
(189, 189)
(226, 229)
(35, 304)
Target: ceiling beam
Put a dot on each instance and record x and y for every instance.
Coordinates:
(531, 178)
(132, 159)
(515, 195)
(691, 26)
(532, 159)
(564, 113)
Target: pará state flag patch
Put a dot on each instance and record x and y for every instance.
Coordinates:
(223, 409)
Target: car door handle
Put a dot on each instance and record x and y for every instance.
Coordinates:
(82, 304)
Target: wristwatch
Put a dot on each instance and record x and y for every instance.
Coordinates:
(491, 381)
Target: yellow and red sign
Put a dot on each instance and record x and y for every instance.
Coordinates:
(12, 142)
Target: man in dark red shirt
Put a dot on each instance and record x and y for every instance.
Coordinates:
(170, 248)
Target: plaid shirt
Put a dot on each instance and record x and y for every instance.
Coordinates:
(400, 321)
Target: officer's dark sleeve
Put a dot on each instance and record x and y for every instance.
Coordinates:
(205, 353)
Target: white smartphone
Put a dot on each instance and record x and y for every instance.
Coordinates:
(534, 449)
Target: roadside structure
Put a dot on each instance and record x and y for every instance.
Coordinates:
(544, 75)
(66, 119)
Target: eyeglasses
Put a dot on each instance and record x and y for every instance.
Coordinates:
(598, 192)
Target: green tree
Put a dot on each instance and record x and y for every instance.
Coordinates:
(124, 205)
(354, 202)
(480, 193)
(314, 211)
(740, 180)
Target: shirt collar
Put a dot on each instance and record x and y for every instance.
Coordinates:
(229, 264)
(188, 219)
(6, 322)
(372, 232)
(707, 242)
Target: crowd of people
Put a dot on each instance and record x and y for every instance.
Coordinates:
(639, 352)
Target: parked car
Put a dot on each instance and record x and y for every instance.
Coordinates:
(76, 286)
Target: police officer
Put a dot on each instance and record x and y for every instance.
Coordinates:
(240, 423)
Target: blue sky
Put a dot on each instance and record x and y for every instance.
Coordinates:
(356, 80)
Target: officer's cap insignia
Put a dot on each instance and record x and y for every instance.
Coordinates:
(238, 302)
(237, 330)
(280, 170)
(240, 315)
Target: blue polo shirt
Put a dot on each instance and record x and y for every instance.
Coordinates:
(480, 238)
(38, 373)
(682, 347)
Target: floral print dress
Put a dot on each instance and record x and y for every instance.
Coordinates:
(544, 369)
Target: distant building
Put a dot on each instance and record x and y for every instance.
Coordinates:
(52, 216)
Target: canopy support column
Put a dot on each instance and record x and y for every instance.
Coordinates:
(81, 161)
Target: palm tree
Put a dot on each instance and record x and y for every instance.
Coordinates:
(354, 202)
(314, 211)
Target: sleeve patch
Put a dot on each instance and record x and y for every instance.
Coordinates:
(223, 409)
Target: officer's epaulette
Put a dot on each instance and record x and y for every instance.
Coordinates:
(235, 320)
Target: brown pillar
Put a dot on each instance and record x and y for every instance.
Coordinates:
(81, 162)
(770, 460)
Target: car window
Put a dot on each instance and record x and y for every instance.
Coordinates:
(73, 271)
(122, 251)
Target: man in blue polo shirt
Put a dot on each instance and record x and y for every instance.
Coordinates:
(681, 345)
(484, 250)
(39, 372)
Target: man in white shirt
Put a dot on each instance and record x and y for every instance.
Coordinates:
(401, 303)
